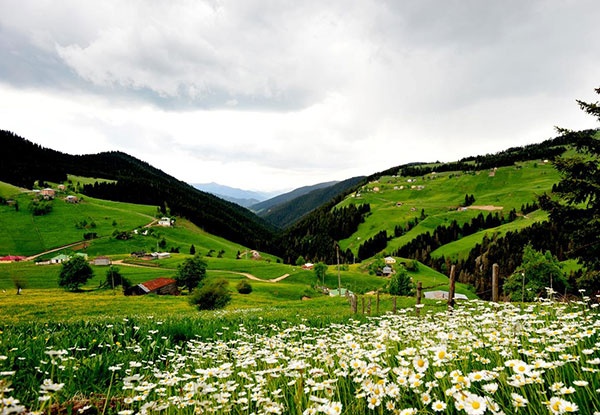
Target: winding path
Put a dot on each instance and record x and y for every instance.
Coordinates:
(254, 278)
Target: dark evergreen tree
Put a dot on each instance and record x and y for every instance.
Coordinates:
(575, 202)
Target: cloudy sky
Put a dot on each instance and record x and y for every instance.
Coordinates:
(273, 95)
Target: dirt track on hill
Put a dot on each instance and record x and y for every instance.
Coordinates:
(254, 278)
(486, 207)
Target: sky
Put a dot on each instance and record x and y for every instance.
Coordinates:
(271, 95)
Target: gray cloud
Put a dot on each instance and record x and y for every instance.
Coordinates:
(292, 88)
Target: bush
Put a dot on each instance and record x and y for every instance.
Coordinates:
(211, 296)
(401, 283)
(244, 287)
(74, 273)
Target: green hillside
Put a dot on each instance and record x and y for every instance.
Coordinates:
(436, 199)
(26, 234)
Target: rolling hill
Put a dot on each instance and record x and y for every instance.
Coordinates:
(127, 179)
(290, 208)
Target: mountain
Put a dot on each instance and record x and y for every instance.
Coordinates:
(291, 211)
(131, 180)
(266, 205)
(245, 198)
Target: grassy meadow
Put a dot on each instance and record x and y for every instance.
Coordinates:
(285, 347)
(394, 202)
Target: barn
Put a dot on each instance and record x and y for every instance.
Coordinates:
(160, 286)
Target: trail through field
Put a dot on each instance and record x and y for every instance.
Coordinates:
(486, 207)
(32, 257)
(255, 278)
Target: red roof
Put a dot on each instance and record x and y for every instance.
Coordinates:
(12, 258)
(157, 283)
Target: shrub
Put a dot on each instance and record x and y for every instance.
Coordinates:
(244, 287)
(211, 296)
(401, 283)
(74, 273)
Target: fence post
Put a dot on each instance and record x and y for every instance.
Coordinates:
(377, 303)
(353, 303)
(419, 293)
(363, 304)
(495, 269)
(369, 306)
(451, 288)
(394, 309)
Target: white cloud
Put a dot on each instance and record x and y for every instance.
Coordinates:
(273, 95)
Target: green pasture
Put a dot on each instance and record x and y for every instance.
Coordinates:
(459, 249)
(395, 203)
(26, 234)
(42, 299)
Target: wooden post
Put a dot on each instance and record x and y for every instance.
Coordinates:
(394, 308)
(495, 269)
(369, 306)
(353, 303)
(363, 304)
(377, 303)
(451, 288)
(419, 293)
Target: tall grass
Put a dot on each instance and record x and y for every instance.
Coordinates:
(482, 358)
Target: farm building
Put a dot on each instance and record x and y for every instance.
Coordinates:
(165, 221)
(160, 286)
(59, 259)
(12, 258)
(443, 295)
(102, 260)
(343, 292)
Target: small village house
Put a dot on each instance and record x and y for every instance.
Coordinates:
(59, 259)
(159, 286)
(48, 193)
(165, 221)
(102, 261)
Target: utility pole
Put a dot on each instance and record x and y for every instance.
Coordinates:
(337, 252)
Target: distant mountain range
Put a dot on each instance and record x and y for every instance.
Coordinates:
(245, 198)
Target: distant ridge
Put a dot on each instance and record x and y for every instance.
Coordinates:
(245, 198)
(291, 211)
(264, 206)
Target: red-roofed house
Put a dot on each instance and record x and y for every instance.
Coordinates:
(11, 258)
(160, 286)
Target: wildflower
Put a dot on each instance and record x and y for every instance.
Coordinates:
(558, 405)
(475, 405)
(438, 406)
(420, 364)
(490, 388)
(518, 401)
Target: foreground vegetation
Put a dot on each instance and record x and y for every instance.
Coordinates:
(483, 358)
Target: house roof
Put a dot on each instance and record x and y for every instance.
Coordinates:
(443, 295)
(12, 258)
(342, 292)
(156, 283)
(61, 257)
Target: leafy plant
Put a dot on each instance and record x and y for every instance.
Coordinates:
(74, 273)
(243, 287)
(401, 283)
(212, 296)
(191, 273)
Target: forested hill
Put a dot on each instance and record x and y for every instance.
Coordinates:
(23, 162)
(285, 214)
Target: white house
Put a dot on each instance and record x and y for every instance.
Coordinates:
(390, 260)
(165, 221)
